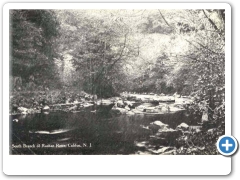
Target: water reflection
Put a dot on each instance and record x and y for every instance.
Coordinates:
(105, 133)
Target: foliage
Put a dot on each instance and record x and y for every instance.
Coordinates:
(98, 49)
(32, 52)
(106, 52)
(201, 142)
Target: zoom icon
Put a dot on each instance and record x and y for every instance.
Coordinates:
(227, 145)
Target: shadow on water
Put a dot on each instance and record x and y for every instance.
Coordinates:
(85, 132)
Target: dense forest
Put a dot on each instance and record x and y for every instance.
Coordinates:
(160, 51)
(107, 52)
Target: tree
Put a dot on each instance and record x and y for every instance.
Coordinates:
(98, 48)
(32, 38)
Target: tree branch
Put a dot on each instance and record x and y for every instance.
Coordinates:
(164, 18)
(193, 58)
(120, 56)
(205, 47)
(211, 22)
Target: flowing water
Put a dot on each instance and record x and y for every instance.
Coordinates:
(84, 132)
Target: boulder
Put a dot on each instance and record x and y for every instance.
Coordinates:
(211, 131)
(127, 108)
(171, 152)
(118, 110)
(161, 150)
(141, 144)
(169, 134)
(183, 126)
(73, 108)
(156, 125)
(22, 110)
(198, 130)
(86, 105)
(15, 120)
(33, 111)
(141, 108)
(46, 108)
(76, 101)
(130, 113)
(120, 104)
(129, 103)
(144, 127)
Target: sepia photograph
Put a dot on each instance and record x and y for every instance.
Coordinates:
(116, 81)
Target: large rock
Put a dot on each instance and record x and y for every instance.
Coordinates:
(161, 150)
(212, 131)
(73, 108)
(127, 108)
(22, 110)
(129, 103)
(130, 113)
(142, 145)
(156, 125)
(159, 124)
(183, 126)
(169, 135)
(33, 111)
(141, 107)
(46, 108)
(171, 152)
(15, 120)
(118, 110)
(120, 104)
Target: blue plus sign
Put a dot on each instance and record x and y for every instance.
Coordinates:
(226, 145)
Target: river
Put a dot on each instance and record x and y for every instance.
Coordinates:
(86, 133)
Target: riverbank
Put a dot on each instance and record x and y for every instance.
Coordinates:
(29, 102)
(33, 101)
(163, 128)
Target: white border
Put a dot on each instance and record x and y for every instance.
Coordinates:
(113, 165)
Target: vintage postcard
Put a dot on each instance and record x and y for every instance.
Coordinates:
(118, 79)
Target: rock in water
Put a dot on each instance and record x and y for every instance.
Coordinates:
(156, 125)
(130, 113)
(46, 108)
(211, 131)
(127, 108)
(169, 135)
(159, 124)
(22, 110)
(183, 126)
(120, 104)
(76, 101)
(73, 108)
(165, 132)
(171, 152)
(161, 150)
(118, 110)
(15, 120)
